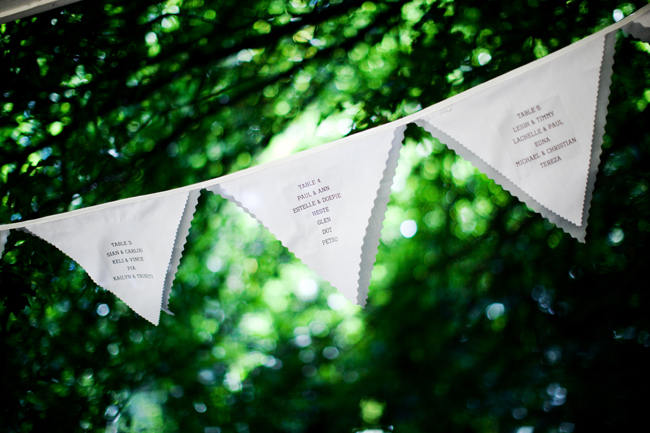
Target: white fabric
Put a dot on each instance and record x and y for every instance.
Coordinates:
(371, 241)
(179, 245)
(640, 25)
(4, 234)
(319, 203)
(534, 127)
(125, 249)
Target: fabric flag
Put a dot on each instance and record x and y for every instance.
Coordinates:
(639, 27)
(537, 130)
(179, 245)
(125, 247)
(326, 205)
(4, 234)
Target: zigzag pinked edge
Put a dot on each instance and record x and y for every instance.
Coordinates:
(370, 244)
(600, 119)
(567, 226)
(180, 240)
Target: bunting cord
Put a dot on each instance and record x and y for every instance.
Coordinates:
(418, 117)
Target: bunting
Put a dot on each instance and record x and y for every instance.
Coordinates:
(125, 248)
(639, 24)
(537, 131)
(4, 234)
(533, 130)
(179, 244)
(319, 203)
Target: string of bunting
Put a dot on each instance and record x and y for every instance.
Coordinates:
(535, 130)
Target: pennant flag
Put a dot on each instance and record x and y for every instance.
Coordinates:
(325, 205)
(125, 248)
(639, 27)
(4, 234)
(538, 129)
(181, 238)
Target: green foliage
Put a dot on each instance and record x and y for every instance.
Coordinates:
(486, 319)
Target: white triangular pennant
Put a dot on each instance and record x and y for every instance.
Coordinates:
(179, 245)
(125, 248)
(537, 130)
(639, 27)
(325, 205)
(4, 234)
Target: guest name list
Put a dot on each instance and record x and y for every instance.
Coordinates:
(315, 198)
(540, 135)
(124, 258)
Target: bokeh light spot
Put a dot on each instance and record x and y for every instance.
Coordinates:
(618, 15)
(484, 58)
(103, 310)
(495, 310)
(616, 236)
(408, 228)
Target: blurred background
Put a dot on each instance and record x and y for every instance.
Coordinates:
(482, 316)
